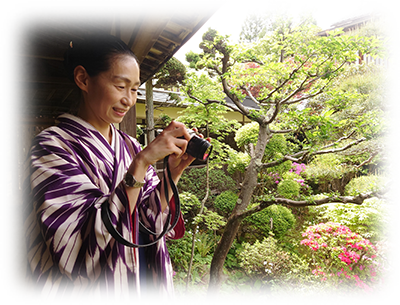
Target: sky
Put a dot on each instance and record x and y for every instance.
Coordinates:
(228, 20)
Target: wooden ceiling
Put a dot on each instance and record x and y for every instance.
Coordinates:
(153, 38)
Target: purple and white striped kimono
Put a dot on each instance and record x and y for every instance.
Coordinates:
(73, 171)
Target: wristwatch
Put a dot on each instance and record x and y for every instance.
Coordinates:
(130, 181)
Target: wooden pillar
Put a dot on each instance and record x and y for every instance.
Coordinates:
(3, 178)
(128, 124)
(14, 154)
(150, 111)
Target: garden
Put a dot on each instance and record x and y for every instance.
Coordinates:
(294, 200)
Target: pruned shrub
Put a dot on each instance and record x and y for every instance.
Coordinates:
(289, 188)
(276, 219)
(194, 181)
(364, 184)
(225, 202)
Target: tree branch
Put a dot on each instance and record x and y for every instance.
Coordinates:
(300, 156)
(285, 81)
(359, 199)
(368, 160)
(304, 85)
(210, 101)
(196, 99)
(339, 140)
(282, 131)
(275, 114)
(250, 95)
(322, 152)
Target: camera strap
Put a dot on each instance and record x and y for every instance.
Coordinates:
(105, 215)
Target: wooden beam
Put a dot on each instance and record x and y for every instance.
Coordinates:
(33, 52)
(157, 17)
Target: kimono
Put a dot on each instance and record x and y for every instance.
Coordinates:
(73, 171)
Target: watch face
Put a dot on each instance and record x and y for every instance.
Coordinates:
(129, 179)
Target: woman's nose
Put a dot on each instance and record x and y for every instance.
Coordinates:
(128, 100)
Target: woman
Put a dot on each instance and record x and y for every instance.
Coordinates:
(84, 162)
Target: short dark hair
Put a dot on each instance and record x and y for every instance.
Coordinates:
(94, 53)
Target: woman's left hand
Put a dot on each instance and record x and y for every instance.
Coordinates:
(178, 164)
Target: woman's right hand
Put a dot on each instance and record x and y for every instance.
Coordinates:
(168, 142)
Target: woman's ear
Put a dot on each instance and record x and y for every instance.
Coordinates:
(81, 78)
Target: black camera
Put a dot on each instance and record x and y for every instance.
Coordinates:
(198, 147)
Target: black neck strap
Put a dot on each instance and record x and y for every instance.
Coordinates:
(105, 215)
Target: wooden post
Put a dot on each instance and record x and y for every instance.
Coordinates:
(150, 111)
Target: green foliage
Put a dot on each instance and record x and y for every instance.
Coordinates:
(247, 134)
(276, 147)
(192, 58)
(171, 74)
(180, 252)
(265, 260)
(208, 117)
(377, 123)
(288, 188)
(324, 168)
(274, 219)
(189, 202)
(295, 75)
(376, 87)
(363, 152)
(139, 131)
(225, 202)
(164, 120)
(368, 219)
(210, 220)
(364, 184)
(238, 161)
(194, 180)
(254, 28)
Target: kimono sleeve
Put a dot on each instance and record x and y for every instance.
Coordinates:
(67, 211)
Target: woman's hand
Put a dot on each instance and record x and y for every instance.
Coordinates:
(168, 142)
(177, 164)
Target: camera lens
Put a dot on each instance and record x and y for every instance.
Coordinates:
(199, 148)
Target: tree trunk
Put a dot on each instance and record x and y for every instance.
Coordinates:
(234, 221)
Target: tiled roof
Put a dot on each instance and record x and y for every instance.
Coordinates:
(361, 13)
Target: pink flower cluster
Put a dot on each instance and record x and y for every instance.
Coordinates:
(298, 168)
(276, 177)
(336, 247)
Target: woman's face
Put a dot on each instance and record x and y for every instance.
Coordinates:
(112, 93)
